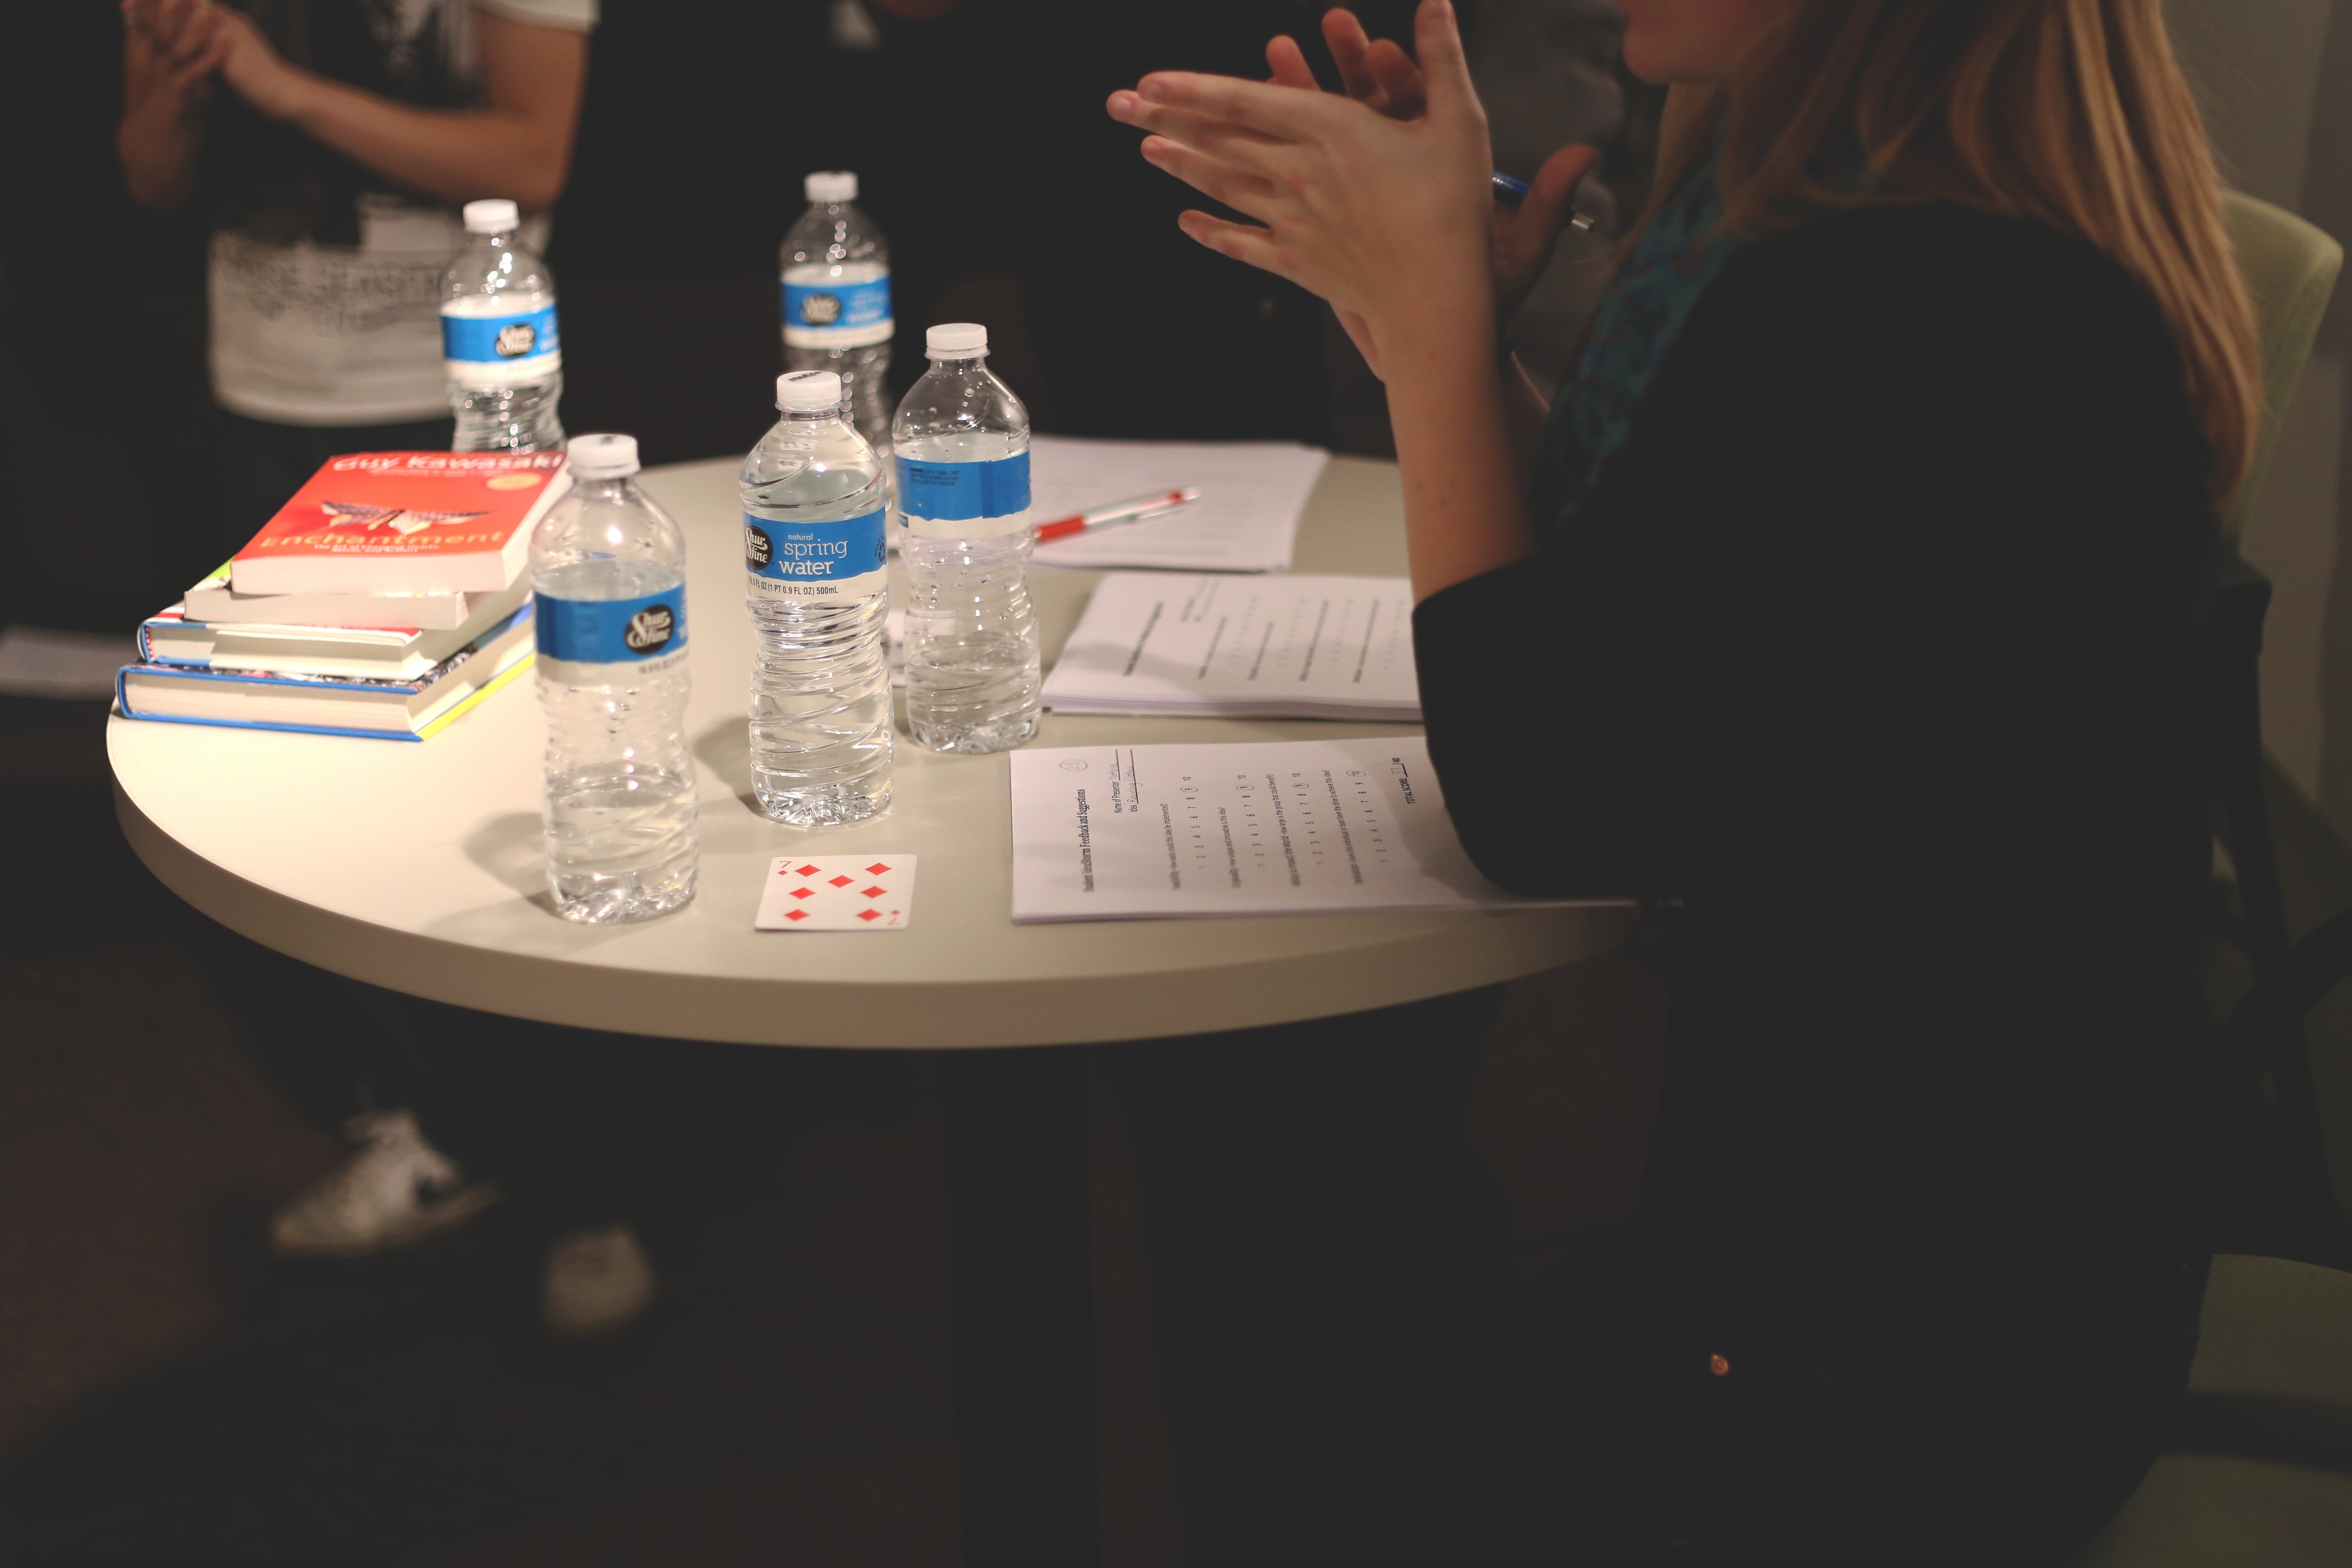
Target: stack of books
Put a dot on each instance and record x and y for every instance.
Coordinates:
(389, 596)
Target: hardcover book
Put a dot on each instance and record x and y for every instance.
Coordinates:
(176, 637)
(215, 603)
(404, 522)
(383, 708)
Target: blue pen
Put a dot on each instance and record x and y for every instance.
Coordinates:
(1511, 191)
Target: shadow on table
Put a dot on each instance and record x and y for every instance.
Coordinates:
(513, 848)
(726, 750)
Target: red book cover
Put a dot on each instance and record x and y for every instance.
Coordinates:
(404, 522)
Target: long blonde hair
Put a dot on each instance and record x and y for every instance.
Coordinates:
(2071, 112)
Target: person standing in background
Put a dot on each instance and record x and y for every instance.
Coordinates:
(331, 142)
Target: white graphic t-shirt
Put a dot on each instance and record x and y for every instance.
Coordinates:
(324, 279)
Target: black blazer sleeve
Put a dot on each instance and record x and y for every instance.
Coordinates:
(1893, 588)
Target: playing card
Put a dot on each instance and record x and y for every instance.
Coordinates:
(838, 892)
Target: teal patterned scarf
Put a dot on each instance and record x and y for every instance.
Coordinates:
(1631, 329)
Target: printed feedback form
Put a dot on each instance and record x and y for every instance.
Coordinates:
(1271, 827)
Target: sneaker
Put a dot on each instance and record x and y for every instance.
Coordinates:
(394, 1190)
(594, 1284)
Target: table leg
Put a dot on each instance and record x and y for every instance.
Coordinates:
(1021, 1255)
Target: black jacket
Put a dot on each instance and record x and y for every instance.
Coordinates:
(1877, 648)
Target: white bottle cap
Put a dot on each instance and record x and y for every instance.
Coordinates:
(493, 216)
(833, 186)
(603, 457)
(804, 391)
(956, 340)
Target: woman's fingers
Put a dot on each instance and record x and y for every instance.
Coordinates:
(1379, 73)
(1288, 63)
(1347, 38)
(1551, 195)
(197, 73)
(1243, 192)
(191, 25)
(1207, 134)
(1242, 242)
(1399, 79)
(1444, 67)
(171, 27)
(1275, 113)
(198, 39)
(1524, 239)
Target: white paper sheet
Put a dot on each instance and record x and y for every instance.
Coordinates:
(1252, 829)
(1245, 521)
(1276, 646)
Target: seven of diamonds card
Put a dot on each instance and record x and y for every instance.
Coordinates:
(838, 892)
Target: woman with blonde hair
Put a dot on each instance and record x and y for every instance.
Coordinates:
(1846, 605)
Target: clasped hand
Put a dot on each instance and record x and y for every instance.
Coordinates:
(199, 41)
(1381, 201)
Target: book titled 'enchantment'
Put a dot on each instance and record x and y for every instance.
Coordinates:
(404, 522)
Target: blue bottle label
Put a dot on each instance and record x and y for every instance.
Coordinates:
(964, 500)
(847, 559)
(502, 349)
(838, 315)
(649, 632)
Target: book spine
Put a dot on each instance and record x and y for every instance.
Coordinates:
(286, 728)
(249, 678)
(147, 654)
(441, 721)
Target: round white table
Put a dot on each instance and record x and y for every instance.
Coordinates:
(419, 867)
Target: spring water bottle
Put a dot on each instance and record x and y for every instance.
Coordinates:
(815, 504)
(836, 287)
(608, 571)
(961, 445)
(499, 339)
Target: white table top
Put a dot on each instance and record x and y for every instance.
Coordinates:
(419, 867)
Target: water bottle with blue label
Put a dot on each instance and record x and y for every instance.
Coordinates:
(961, 445)
(815, 557)
(608, 576)
(835, 271)
(500, 345)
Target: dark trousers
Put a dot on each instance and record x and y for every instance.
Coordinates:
(1324, 1245)
(581, 1127)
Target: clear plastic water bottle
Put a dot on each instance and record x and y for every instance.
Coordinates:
(836, 287)
(608, 572)
(815, 509)
(961, 445)
(499, 338)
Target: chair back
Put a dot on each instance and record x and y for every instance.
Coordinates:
(2290, 268)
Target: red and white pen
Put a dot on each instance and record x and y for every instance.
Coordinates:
(1158, 504)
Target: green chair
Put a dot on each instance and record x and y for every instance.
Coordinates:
(2290, 271)
(2259, 1472)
